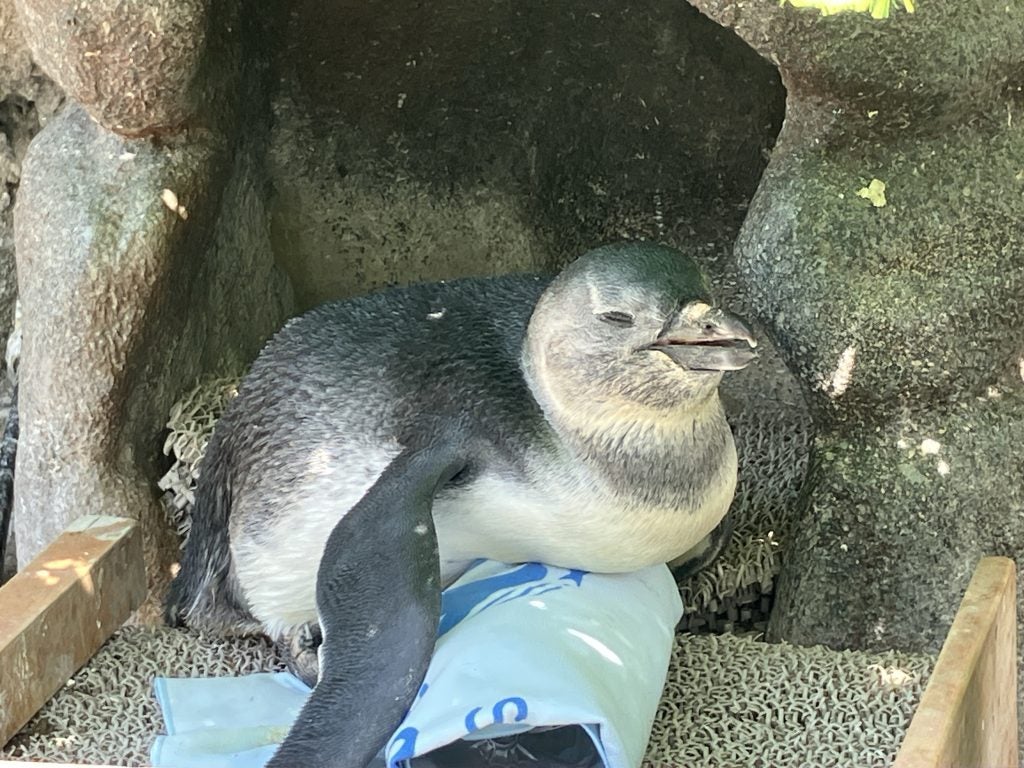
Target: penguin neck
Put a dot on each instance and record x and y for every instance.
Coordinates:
(682, 461)
(679, 458)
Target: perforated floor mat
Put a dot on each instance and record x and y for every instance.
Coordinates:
(729, 701)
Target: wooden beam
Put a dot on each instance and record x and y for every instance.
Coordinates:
(967, 717)
(58, 611)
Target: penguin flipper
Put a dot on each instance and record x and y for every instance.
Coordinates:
(378, 597)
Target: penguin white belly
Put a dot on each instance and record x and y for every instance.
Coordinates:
(571, 524)
(560, 521)
(279, 582)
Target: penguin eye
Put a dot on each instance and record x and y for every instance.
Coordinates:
(615, 317)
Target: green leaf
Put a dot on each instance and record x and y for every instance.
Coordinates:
(878, 9)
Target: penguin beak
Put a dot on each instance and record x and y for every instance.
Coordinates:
(701, 338)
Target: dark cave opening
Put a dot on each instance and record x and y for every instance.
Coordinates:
(423, 141)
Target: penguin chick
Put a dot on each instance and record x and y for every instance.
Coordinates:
(380, 444)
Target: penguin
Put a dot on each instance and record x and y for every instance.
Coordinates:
(381, 444)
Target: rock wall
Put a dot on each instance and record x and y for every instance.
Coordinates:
(884, 249)
(419, 141)
(27, 99)
(142, 248)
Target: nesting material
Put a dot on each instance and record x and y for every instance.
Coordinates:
(189, 426)
(728, 701)
(773, 433)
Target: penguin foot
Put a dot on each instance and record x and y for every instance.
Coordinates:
(299, 649)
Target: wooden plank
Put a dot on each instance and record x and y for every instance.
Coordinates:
(58, 611)
(967, 717)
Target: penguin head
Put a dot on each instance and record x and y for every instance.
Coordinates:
(633, 324)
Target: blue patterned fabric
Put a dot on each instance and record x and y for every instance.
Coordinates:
(519, 647)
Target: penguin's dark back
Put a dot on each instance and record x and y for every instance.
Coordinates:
(391, 362)
(391, 368)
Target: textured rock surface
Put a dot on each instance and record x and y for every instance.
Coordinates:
(141, 262)
(923, 298)
(125, 302)
(15, 59)
(902, 313)
(10, 174)
(22, 85)
(448, 138)
(901, 514)
(138, 68)
(27, 99)
(939, 63)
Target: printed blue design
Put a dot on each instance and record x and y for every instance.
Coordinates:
(521, 709)
(575, 575)
(458, 602)
(470, 721)
(497, 713)
(402, 746)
